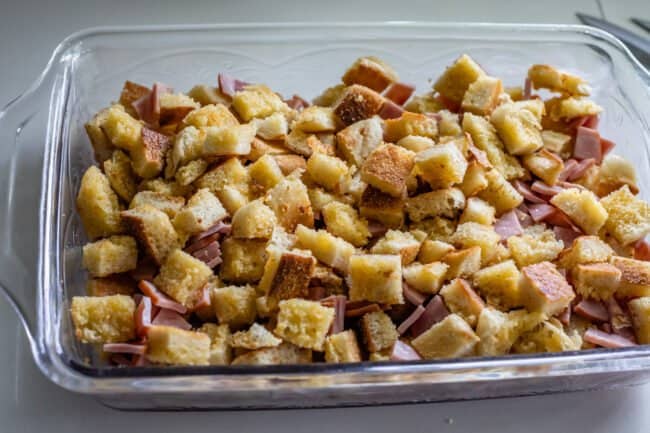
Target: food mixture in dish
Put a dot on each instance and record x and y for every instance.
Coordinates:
(228, 225)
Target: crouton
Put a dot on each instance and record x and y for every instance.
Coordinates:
(187, 146)
(375, 278)
(500, 193)
(425, 278)
(499, 285)
(302, 143)
(477, 211)
(257, 101)
(290, 163)
(304, 323)
(182, 277)
(235, 305)
(153, 229)
(441, 166)
(382, 207)
(110, 256)
(121, 129)
(556, 142)
(433, 251)
(112, 285)
(220, 350)
(289, 200)
(572, 107)
(548, 336)
(584, 209)
(191, 171)
(254, 220)
(283, 354)
(327, 171)
(472, 234)
(329, 249)
(103, 319)
(443, 202)
(103, 149)
(519, 129)
(120, 174)
(202, 211)
(264, 173)
(330, 95)
(166, 187)
(462, 300)
(358, 140)
(243, 260)
(378, 331)
(410, 124)
(131, 92)
(450, 338)
(231, 140)
(534, 246)
(585, 249)
(547, 77)
(596, 280)
(229, 173)
(343, 220)
(397, 242)
(98, 205)
(342, 347)
(274, 127)
(614, 173)
(387, 167)
(371, 72)
(628, 216)
(207, 95)
(437, 228)
(174, 346)
(171, 205)
(256, 337)
(635, 277)
(482, 95)
(475, 179)
(462, 263)
(174, 107)
(416, 143)
(498, 331)
(545, 165)
(544, 289)
(456, 79)
(287, 274)
(316, 119)
(357, 103)
(640, 311)
(425, 103)
(148, 156)
(217, 115)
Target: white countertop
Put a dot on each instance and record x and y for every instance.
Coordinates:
(30, 29)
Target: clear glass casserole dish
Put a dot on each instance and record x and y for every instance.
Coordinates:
(46, 151)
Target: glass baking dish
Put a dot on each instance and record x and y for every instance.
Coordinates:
(46, 150)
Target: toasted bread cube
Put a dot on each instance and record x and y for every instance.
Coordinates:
(397, 242)
(382, 207)
(289, 200)
(456, 79)
(191, 171)
(343, 220)
(475, 179)
(485, 137)
(556, 141)
(640, 311)
(120, 174)
(329, 249)
(596, 280)
(302, 143)
(450, 338)
(426, 103)
(357, 103)
(433, 251)
(220, 349)
(437, 228)
(112, 285)
(387, 168)
(534, 247)
(462, 263)
(257, 101)
(315, 119)
(327, 171)
(174, 107)
(547, 77)
(410, 124)
(342, 347)
(232, 198)
(500, 193)
(498, 331)
(449, 124)
(217, 115)
(376, 278)
(629, 216)
(443, 202)
(103, 319)
(182, 277)
(264, 173)
(378, 331)
(131, 92)
(441, 166)
(472, 234)
(425, 278)
(304, 323)
(371, 72)
(122, 130)
(273, 127)
(462, 300)
(544, 289)
(166, 187)
(583, 208)
(615, 172)
(110, 256)
(102, 146)
(231, 140)
(283, 354)
(330, 95)
(153, 229)
(206, 95)
(254, 220)
(572, 107)
(548, 336)
(243, 260)
(235, 305)
(482, 95)
(499, 285)
(256, 337)
(202, 211)
(545, 165)
(148, 156)
(287, 274)
(174, 346)
(359, 139)
(416, 143)
(171, 205)
(319, 199)
(478, 211)
(98, 205)
(229, 173)
(187, 146)
(635, 277)
(518, 128)
(585, 249)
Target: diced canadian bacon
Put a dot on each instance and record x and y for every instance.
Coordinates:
(567, 185)
(591, 309)
(604, 339)
(569, 166)
(587, 144)
(229, 85)
(148, 106)
(203, 299)
(390, 110)
(589, 121)
(410, 320)
(525, 191)
(565, 316)
(527, 89)
(208, 253)
(642, 250)
(544, 189)
(399, 93)
(559, 218)
(620, 320)
(566, 235)
(146, 270)
(337, 302)
(606, 146)
(479, 155)
(540, 212)
(220, 227)
(297, 103)
(581, 168)
(133, 349)
(159, 299)
(143, 316)
(171, 318)
(412, 295)
(403, 352)
(434, 312)
(508, 225)
(524, 216)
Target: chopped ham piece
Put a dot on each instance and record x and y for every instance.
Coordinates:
(508, 225)
(203, 300)
(376, 229)
(229, 84)
(159, 299)
(620, 320)
(592, 310)
(434, 312)
(134, 349)
(399, 93)
(524, 216)
(604, 339)
(479, 155)
(544, 189)
(297, 103)
(220, 227)
(587, 144)
(567, 185)
(360, 311)
(146, 270)
(412, 295)
(214, 262)
(403, 352)
(338, 302)
(559, 218)
(565, 316)
(539, 212)
(411, 319)
(569, 166)
(171, 318)
(208, 253)
(148, 106)
(580, 169)
(566, 235)
(390, 110)
(201, 243)
(606, 146)
(527, 89)
(143, 316)
(590, 121)
(529, 195)
(435, 116)
(642, 250)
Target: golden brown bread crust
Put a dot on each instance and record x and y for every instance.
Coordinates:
(118, 284)
(382, 207)
(292, 277)
(131, 92)
(387, 168)
(371, 73)
(358, 103)
(378, 331)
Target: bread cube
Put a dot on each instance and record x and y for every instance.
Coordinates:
(547, 77)
(110, 256)
(358, 140)
(375, 278)
(397, 242)
(235, 305)
(416, 143)
(182, 277)
(583, 208)
(342, 347)
(121, 129)
(316, 119)
(615, 172)
(534, 246)
(357, 103)
(329, 249)
(174, 107)
(500, 193)
(450, 338)
(112, 285)
(304, 323)
(226, 141)
(343, 220)
(463, 263)
(441, 166)
(478, 211)
(387, 167)
(202, 211)
(174, 346)
(191, 171)
(518, 128)
(98, 205)
(635, 277)
(628, 216)
(436, 228)
(640, 311)
(475, 179)
(273, 127)
(257, 101)
(596, 280)
(289, 200)
(171, 205)
(482, 95)
(425, 103)
(498, 331)
(572, 107)
(283, 354)
(456, 79)
(433, 251)
(443, 202)
(220, 350)
(556, 142)
(371, 72)
(187, 146)
(462, 300)
(264, 174)
(330, 95)
(243, 260)
(254, 220)
(217, 115)
(148, 156)
(102, 146)
(382, 207)
(378, 331)
(585, 249)
(499, 285)
(166, 187)
(287, 274)
(544, 289)
(425, 278)
(153, 229)
(548, 336)
(545, 165)
(103, 319)
(472, 234)
(410, 124)
(327, 171)
(120, 174)
(229, 173)
(302, 143)
(256, 337)
(206, 95)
